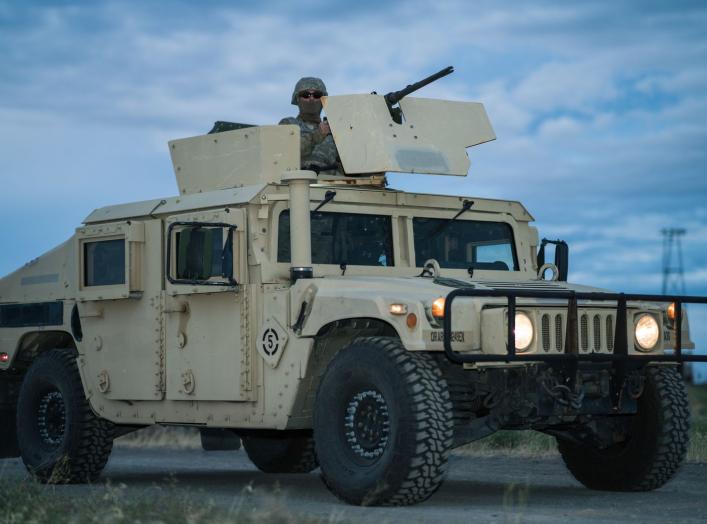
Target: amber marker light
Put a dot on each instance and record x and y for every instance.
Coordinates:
(398, 309)
(412, 320)
(438, 307)
(671, 311)
(4, 357)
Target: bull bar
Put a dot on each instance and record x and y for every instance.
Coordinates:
(571, 354)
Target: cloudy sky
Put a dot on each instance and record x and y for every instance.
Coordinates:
(600, 108)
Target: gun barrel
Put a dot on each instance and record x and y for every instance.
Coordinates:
(394, 97)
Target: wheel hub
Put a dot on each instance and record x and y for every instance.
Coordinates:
(367, 424)
(51, 418)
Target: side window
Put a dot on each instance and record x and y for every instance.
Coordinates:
(201, 254)
(110, 260)
(343, 238)
(104, 262)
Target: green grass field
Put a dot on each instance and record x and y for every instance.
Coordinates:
(29, 502)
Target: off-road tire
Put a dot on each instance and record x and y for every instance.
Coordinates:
(383, 424)
(657, 441)
(285, 453)
(60, 438)
(8, 434)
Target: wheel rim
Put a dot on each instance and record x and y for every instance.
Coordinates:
(367, 424)
(51, 418)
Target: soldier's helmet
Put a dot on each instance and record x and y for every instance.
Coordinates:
(308, 82)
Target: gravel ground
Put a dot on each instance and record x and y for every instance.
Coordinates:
(477, 489)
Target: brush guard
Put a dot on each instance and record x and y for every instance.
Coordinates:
(620, 359)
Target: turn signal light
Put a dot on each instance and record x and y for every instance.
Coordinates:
(412, 320)
(671, 311)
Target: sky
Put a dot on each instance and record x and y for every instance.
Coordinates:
(600, 108)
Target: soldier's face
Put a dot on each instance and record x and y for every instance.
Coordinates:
(309, 102)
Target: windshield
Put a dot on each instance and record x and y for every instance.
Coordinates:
(343, 238)
(465, 244)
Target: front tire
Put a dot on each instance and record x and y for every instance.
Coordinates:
(655, 445)
(382, 424)
(60, 438)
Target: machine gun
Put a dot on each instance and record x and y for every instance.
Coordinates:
(392, 98)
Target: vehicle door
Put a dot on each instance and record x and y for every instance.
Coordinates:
(208, 355)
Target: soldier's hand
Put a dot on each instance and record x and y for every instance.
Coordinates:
(324, 128)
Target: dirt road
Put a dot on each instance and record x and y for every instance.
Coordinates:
(477, 489)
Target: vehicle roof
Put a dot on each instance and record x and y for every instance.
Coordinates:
(247, 194)
(221, 197)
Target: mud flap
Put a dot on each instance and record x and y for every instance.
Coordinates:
(8, 434)
(216, 439)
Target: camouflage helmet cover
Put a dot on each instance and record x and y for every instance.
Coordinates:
(308, 82)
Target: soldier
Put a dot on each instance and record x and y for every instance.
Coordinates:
(317, 148)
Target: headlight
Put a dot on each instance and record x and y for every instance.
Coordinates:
(647, 332)
(435, 312)
(523, 331)
(438, 308)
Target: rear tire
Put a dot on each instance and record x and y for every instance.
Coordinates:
(60, 438)
(383, 424)
(656, 442)
(281, 453)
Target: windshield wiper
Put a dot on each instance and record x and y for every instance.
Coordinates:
(466, 206)
(328, 197)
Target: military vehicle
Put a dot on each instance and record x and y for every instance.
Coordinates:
(331, 322)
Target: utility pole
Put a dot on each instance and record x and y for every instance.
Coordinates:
(673, 277)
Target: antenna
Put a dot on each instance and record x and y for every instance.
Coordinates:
(673, 277)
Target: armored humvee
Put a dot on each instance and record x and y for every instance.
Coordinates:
(331, 322)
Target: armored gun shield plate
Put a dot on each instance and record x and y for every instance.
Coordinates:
(432, 139)
(250, 156)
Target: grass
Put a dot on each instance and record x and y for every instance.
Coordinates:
(698, 431)
(28, 501)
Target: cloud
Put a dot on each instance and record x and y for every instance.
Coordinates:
(599, 108)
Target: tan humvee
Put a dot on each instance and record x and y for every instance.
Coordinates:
(307, 316)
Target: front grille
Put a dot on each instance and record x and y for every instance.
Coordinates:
(545, 330)
(584, 333)
(594, 331)
(597, 333)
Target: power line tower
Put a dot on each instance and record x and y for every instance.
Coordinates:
(673, 277)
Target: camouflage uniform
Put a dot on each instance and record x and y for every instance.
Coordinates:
(315, 149)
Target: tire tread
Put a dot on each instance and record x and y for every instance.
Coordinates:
(88, 454)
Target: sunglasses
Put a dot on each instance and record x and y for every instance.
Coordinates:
(309, 94)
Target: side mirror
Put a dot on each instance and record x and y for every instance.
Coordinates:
(562, 256)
